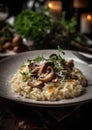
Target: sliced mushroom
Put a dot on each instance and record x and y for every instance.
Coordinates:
(32, 66)
(49, 75)
(36, 83)
(17, 40)
(44, 66)
(35, 71)
(7, 45)
(70, 64)
(41, 74)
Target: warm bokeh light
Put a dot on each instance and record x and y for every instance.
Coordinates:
(80, 3)
(55, 6)
(50, 5)
(86, 23)
(89, 17)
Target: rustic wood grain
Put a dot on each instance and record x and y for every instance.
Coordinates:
(20, 117)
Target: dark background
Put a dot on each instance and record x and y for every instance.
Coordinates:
(15, 6)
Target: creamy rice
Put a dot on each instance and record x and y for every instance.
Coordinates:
(52, 91)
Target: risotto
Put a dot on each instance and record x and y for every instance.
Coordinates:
(48, 79)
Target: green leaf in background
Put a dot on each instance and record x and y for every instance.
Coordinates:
(32, 25)
(44, 29)
(68, 24)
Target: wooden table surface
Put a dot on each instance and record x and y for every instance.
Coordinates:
(15, 116)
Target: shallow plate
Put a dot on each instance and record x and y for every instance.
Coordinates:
(9, 66)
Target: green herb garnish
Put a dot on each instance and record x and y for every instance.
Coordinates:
(39, 58)
(25, 76)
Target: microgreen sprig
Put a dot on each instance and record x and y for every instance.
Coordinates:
(60, 50)
(37, 59)
(25, 76)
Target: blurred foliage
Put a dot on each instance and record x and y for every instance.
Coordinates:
(68, 24)
(43, 28)
(5, 33)
(33, 25)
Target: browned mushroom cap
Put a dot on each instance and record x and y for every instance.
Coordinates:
(36, 83)
(34, 69)
(42, 73)
(7, 45)
(44, 66)
(70, 64)
(17, 40)
(32, 65)
(49, 74)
